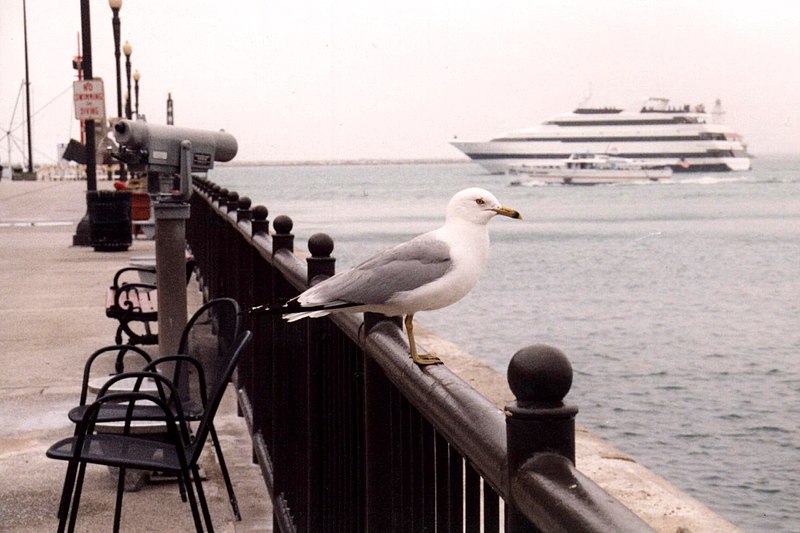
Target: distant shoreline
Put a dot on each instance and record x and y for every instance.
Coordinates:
(420, 161)
(344, 162)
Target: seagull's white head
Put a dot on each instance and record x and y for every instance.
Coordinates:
(477, 206)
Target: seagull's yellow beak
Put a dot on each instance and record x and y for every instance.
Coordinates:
(507, 212)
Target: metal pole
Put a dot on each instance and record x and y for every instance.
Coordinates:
(171, 217)
(128, 76)
(115, 23)
(171, 273)
(82, 235)
(115, 26)
(27, 88)
(170, 116)
(91, 155)
(136, 93)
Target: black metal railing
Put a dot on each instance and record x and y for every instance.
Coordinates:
(351, 435)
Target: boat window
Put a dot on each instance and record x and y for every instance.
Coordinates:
(597, 110)
(634, 122)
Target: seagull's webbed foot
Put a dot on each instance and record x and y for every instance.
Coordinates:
(421, 359)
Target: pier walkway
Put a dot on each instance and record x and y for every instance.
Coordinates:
(51, 318)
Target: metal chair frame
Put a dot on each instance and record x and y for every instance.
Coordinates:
(178, 453)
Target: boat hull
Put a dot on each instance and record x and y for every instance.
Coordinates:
(500, 157)
(595, 177)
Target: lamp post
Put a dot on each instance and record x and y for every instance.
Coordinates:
(136, 77)
(82, 235)
(115, 7)
(170, 115)
(127, 49)
(88, 125)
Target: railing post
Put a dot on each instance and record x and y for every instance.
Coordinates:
(243, 211)
(216, 244)
(222, 198)
(538, 421)
(318, 334)
(320, 263)
(286, 345)
(245, 286)
(283, 237)
(259, 222)
(214, 192)
(260, 388)
(381, 473)
(233, 201)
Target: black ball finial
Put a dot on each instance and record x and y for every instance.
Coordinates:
(232, 202)
(245, 203)
(320, 245)
(260, 212)
(283, 225)
(539, 373)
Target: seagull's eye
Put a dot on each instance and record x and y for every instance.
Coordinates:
(480, 201)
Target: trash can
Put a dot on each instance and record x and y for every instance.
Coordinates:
(109, 220)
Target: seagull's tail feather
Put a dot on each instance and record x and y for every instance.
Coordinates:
(266, 309)
(292, 310)
(293, 317)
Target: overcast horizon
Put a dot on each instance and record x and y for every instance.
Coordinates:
(327, 80)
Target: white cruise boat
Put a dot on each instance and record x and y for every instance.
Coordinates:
(686, 139)
(591, 169)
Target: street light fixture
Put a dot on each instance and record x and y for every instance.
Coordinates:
(115, 7)
(136, 77)
(127, 49)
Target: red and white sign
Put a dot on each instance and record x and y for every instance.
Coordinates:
(89, 99)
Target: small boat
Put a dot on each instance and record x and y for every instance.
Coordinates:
(592, 169)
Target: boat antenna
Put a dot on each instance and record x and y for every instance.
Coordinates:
(718, 114)
(588, 97)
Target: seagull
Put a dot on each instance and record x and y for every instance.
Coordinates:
(430, 271)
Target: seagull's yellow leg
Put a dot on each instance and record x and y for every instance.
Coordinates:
(419, 358)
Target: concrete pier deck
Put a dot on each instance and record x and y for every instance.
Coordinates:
(51, 318)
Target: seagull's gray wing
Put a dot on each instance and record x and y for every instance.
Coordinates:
(405, 267)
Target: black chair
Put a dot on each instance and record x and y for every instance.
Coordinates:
(177, 453)
(122, 355)
(204, 347)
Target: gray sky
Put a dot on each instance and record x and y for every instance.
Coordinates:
(344, 79)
